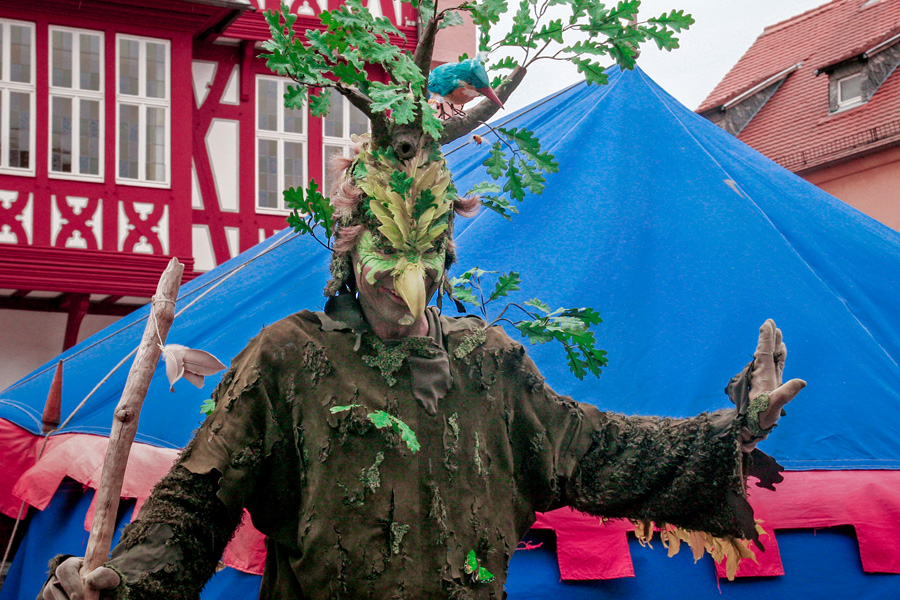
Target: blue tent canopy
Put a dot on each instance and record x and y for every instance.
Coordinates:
(683, 238)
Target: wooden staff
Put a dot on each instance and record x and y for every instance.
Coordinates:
(125, 421)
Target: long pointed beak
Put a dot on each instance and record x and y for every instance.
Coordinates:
(488, 92)
(410, 285)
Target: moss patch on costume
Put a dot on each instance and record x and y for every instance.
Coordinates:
(316, 362)
(398, 531)
(473, 340)
(388, 358)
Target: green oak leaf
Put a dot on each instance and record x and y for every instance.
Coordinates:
(675, 20)
(505, 284)
(514, 183)
(594, 73)
(551, 31)
(451, 19)
(401, 182)
(507, 62)
(464, 294)
(319, 104)
(496, 162)
(294, 96)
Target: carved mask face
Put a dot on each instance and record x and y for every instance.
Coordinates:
(410, 203)
(395, 286)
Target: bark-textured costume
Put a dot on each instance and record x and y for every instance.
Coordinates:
(351, 512)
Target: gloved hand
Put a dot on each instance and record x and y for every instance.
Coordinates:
(65, 582)
(767, 393)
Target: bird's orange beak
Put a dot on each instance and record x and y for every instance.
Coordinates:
(488, 92)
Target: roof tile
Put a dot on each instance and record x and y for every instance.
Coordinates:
(796, 117)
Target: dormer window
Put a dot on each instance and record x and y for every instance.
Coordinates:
(848, 85)
(849, 91)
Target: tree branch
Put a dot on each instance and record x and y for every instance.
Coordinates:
(381, 133)
(457, 127)
(425, 47)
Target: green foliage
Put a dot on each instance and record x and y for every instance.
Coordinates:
(451, 19)
(593, 72)
(382, 420)
(473, 568)
(496, 162)
(319, 103)
(505, 284)
(208, 406)
(572, 328)
(612, 31)
(487, 193)
(522, 168)
(309, 210)
(401, 182)
(337, 57)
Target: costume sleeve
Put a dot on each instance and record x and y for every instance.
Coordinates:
(684, 472)
(174, 546)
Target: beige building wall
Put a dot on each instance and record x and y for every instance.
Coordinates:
(870, 184)
(38, 338)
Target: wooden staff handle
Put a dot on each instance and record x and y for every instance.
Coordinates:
(125, 421)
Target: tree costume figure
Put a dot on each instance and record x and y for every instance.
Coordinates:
(389, 451)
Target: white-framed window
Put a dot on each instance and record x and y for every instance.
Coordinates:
(143, 111)
(849, 90)
(76, 104)
(342, 121)
(281, 144)
(17, 97)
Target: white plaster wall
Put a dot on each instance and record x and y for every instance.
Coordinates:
(32, 338)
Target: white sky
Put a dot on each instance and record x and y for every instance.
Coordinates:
(723, 31)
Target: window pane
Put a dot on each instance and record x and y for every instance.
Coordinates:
(359, 124)
(1, 54)
(61, 135)
(267, 104)
(849, 89)
(293, 165)
(156, 144)
(61, 75)
(156, 70)
(334, 120)
(89, 137)
(19, 130)
(20, 54)
(129, 142)
(293, 119)
(330, 153)
(129, 67)
(89, 48)
(267, 188)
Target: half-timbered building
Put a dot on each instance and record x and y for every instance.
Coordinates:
(132, 132)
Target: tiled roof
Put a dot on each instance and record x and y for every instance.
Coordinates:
(796, 117)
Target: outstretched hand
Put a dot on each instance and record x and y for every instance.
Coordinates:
(768, 394)
(65, 583)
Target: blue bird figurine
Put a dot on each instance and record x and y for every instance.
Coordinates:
(458, 83)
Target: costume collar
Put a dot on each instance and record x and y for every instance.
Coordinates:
(429, 363)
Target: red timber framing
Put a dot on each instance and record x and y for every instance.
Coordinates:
(96, 239)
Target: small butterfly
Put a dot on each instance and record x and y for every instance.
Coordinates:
(189, 363)
(478, 573)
